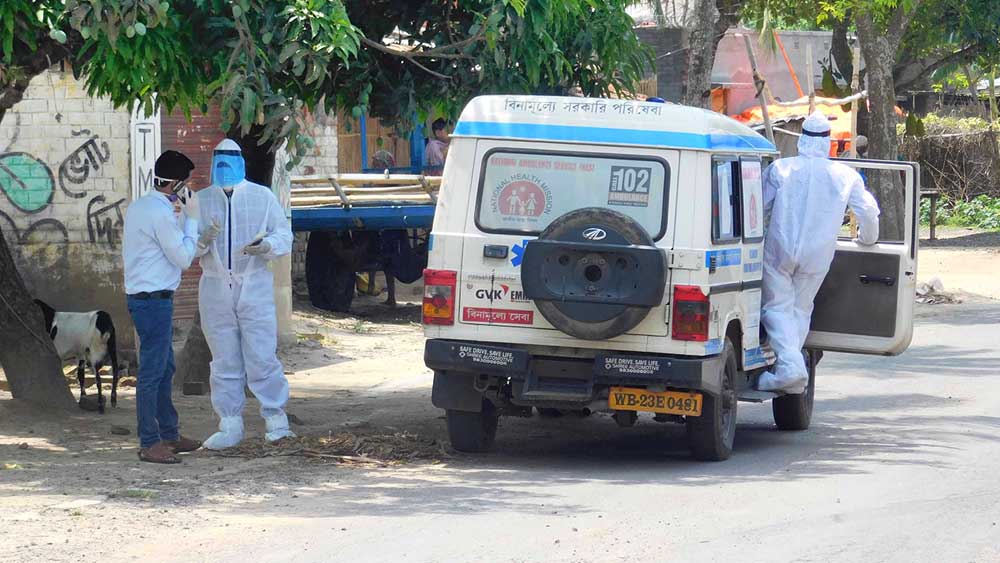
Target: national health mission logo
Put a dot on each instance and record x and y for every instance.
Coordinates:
(521, 199)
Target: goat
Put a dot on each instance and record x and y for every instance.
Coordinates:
(88, 337)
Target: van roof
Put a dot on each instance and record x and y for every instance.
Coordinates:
(606, 122)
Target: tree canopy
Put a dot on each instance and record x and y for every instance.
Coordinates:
(264, 60)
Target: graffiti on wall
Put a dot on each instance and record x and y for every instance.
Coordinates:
(75, 169)
(26, 181)
(29, 185)
(105, 222)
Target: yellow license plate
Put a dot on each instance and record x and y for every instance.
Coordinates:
(665, 402)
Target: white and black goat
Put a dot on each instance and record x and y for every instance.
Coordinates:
(89, 338)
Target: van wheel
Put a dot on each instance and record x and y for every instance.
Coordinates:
(711, 435)
(473, 432)
(794, 412)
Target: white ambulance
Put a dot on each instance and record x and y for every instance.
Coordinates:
(606, 255)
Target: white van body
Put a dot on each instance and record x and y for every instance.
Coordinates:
(679, 189)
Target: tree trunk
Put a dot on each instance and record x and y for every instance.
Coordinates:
(882, 141)
(27, 355)
(840, 48)
(712, 19)
(259, 158)
(193, 365)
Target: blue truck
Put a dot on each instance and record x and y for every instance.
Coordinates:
(378, 220)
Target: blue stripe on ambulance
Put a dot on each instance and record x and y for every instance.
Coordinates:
(613, 136)
(723, 258)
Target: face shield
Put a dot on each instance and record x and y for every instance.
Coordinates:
(228, 166)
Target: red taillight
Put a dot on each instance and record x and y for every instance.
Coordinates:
(439, 297)
(690, 318)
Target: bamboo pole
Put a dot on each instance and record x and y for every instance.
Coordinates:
(788, 63)
(854, 104)
(856, 59)
(762, 85)
(809, 78)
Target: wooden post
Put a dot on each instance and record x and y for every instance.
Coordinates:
(809, 78)
(854, 104)
(758, 80)
(854, 125)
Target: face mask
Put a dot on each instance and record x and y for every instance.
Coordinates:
(228, 168)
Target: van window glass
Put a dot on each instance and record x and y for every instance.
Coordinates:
(523, 192)
(726, 212)
(753, 200)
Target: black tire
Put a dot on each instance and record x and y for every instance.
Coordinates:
(711, 435)
(473, 432)
(794, 412)
(329, 278)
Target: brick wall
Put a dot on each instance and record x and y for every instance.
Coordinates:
(321, 160)
(64, 187)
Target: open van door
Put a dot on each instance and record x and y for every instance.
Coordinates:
(865, 304)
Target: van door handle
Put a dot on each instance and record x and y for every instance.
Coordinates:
(884, 280)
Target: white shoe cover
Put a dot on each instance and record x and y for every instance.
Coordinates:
(230, 434)
(277, 428)
(768, 381)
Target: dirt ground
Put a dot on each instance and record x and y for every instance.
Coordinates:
(69, 485)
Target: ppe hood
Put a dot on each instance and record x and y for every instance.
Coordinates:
(815, 139)
(228, 166)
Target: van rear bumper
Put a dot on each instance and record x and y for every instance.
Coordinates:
(547, 378)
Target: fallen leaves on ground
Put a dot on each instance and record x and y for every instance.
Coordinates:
(380, 449)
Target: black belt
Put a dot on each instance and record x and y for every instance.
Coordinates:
(163, 294)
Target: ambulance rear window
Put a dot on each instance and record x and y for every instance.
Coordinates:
(521, 192)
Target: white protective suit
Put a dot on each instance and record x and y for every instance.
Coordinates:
(236, 297)
(806, 197)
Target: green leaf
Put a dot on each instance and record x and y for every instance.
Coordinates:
(248, 108)
(287, 51)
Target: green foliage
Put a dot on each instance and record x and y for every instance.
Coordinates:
(24, 23)
(266, 60)
(489, 46)
(982, 212)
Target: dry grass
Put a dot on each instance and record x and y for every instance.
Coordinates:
(380, 449)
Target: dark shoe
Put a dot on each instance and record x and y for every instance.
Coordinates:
(183, 445)
(159, 453)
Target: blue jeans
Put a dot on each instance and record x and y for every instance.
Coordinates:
(153, 320)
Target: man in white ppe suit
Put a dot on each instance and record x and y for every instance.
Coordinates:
(236, 297)
(806, 197)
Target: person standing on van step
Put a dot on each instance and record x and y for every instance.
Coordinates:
(155, 249)
(236, 298)
(806, 197)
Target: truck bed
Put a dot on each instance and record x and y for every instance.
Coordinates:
(363, 202)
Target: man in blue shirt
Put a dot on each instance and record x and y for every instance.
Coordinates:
(156, 247)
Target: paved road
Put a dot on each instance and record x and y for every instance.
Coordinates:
(902, 464)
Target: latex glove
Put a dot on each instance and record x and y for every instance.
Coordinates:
(257, 248)
(209, 235)
(190, 201)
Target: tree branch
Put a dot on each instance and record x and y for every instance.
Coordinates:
(899, 23)
(916, 71)
(402, 54)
